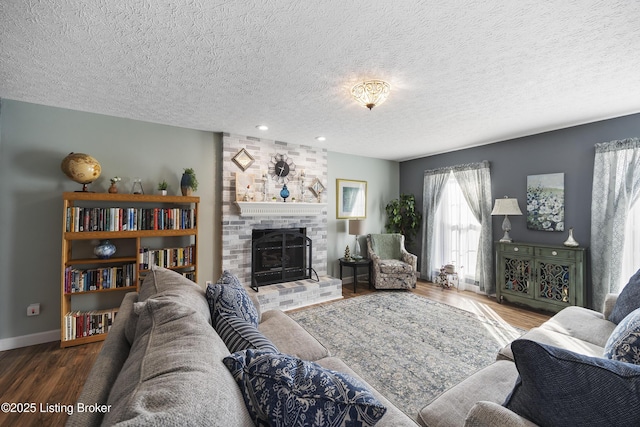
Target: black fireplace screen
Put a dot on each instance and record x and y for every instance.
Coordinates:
(279, 256)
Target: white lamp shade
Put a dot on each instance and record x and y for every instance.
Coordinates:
(356, 227)
(506, 206)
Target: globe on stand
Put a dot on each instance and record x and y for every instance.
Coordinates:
(81, 168)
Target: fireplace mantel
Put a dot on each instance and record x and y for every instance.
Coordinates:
(280, 208)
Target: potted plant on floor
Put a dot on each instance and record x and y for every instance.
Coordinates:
(188, 183)
(403, 218)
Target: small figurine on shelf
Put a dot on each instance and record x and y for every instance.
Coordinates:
(347, 253)
(247, 196)
(114, 181)
(162, 187)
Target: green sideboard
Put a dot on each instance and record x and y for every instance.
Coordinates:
(541, 276)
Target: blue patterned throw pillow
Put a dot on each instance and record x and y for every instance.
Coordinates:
(628, 300)
(624, 342)
(282, 390)
(238, 334)
(229, 298)
(562, 388)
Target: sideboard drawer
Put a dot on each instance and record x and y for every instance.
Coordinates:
(556, 253)
(517, 250)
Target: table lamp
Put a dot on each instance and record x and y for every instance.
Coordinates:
(506, 207)
(356, 227)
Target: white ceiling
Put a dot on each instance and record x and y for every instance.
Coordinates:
(462, 73)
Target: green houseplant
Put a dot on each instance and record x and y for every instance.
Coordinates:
(188, 182)
(403, 217)
(162, 187)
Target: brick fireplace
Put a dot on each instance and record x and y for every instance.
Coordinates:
(237, 229)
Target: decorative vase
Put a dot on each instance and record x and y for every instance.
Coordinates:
(185, 184)
(284, 193)
(105, 249)
(571, 242)
(113, 189)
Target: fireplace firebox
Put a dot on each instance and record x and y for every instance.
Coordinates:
(280, 255)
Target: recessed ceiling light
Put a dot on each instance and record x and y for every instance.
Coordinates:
(321, 138)
(262, 127)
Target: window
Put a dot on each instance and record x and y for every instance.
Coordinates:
(457, 233)
(631, 251)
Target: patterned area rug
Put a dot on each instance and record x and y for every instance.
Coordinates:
(408, 347)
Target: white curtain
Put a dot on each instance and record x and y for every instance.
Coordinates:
(475, 182)
(616, 187)
(434, 182)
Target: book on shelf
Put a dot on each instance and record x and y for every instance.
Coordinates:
(167, 257)
(93, 279)
(80, 324)
(81, 219)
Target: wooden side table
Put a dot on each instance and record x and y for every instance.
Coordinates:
(355, 263)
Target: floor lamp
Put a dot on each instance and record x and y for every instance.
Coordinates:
(506, 207)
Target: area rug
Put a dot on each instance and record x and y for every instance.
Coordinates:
(408, 347)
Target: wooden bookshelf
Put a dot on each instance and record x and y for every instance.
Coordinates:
(131, 221)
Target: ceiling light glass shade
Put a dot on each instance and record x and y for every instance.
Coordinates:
(371, 92)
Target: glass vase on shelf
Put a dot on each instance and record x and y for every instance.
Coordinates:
(137, 186)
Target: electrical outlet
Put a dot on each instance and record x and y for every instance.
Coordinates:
(33, 309)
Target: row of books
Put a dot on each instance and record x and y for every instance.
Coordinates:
(129, 219)
(93, 279)
(167, 257)
(80, 324)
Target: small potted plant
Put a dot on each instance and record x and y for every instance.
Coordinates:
(188, 182)
(162, 187)
(114, 187)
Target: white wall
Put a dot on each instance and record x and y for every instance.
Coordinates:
(383, 178)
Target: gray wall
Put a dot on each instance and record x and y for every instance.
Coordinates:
(568, 150)
(33, 141)
(382, 178)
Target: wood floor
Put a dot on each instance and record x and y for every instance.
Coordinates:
(52, 378)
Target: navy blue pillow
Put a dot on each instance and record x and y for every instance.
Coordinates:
(628, 300)
(282, 390)
(562, 388)
(624, 342)
(229, 298)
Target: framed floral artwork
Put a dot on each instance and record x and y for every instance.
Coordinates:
(545, 202)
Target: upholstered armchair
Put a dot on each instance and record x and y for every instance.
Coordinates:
(392, 266)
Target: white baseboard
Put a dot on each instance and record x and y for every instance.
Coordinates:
(27, 340)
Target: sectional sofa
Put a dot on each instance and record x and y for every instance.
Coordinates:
(579, 368)
(163, 363)
(180, 355)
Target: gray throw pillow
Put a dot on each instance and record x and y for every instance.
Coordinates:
(628, 300)
(624, 342)
(562, 388)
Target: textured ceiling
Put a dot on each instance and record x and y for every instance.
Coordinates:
(462, 73)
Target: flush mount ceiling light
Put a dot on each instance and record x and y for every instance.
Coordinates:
(370, 93)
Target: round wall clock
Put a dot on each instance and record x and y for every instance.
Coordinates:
(281, 168)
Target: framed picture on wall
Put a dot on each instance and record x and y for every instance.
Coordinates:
(545, 202)
(351, 198)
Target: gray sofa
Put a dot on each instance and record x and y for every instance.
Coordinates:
(479, 399)
(167, 368)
